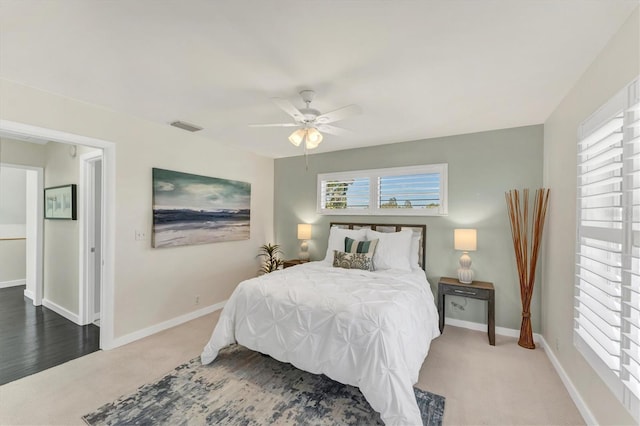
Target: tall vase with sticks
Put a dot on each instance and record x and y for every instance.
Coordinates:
(526, 256)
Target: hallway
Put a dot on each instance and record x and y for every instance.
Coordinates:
(34, 338)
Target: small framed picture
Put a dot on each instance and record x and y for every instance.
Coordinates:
(60, 202)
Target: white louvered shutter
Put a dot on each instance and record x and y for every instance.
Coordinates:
(630, 360)
(345, 194)
(399, 191)
(607, 289)
(416, 191)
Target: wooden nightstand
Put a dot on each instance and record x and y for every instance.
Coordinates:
(293, 262)
(476, 290)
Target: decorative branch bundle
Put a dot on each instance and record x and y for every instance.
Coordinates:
(526, 260)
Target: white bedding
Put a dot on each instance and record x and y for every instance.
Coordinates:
(367, 329)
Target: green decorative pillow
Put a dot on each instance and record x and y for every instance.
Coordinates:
(354, 246)
(352, 260)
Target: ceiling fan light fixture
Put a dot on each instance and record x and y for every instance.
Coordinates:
(297, 137)
(314, 137)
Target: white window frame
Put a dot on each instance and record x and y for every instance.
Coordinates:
(373, 175)
(627, 101)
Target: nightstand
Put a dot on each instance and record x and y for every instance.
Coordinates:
(293, 262)
(476, 290)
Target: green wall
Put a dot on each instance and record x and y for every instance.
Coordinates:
(482, 166)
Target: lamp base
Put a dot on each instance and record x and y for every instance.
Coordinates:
(304, 252)
(465, 273)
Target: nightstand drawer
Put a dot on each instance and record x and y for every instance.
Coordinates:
(478, 293)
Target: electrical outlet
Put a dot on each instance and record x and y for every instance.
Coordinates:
(140, 235)
(197, 301)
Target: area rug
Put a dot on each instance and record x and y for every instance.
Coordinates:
(243, 387)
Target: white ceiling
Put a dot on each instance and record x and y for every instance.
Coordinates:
(418, 69)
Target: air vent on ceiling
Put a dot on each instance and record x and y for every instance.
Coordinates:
(186, 126)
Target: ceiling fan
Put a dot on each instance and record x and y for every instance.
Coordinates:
(310, 121)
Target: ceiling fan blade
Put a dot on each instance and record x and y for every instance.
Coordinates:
(276, 125)
(333, 130)
(289, 108)
(339, 114)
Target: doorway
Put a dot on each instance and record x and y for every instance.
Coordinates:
(26, 132)
(91, 217)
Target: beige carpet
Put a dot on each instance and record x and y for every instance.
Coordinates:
(501, 385)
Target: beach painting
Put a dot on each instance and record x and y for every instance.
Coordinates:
(191, 209)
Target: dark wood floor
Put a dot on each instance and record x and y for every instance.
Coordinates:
(34, 338)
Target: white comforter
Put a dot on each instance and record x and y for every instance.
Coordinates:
(367, 329)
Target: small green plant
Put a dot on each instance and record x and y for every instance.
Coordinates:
(271, 262)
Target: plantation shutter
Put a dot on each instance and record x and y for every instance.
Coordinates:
(607, 289)
(402, 191)
(345, 194)
(630, 368)
(417, 191)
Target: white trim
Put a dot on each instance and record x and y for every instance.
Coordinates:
(61, 311)
(156, 328)
(85, 199)
(28, 294)
(582, 406)
(13, 283)
(21, 131)
(502, 331)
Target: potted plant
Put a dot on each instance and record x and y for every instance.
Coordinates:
(271, 262)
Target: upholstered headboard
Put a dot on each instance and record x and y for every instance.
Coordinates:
(387, 227)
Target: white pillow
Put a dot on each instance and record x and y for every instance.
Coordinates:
(415, 250)
(393, 250)
(336, 240)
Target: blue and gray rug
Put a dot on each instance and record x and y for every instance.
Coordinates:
(242, 387)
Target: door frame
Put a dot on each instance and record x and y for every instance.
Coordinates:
(86, 216)
(22, 131)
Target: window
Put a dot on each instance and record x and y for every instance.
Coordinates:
(607, 284)
(405, 191)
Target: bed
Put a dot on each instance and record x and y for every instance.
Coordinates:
(367, 329)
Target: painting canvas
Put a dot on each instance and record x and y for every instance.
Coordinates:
(60, 202)
(190, 209)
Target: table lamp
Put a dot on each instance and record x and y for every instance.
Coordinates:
(466, 241)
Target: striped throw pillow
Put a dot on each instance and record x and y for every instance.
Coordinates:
(354, 246)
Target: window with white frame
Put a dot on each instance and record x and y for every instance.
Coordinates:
(397, 191)
(607, 284)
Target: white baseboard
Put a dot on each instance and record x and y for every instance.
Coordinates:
(145, 332)
(13, 283)
(61, 311)
(587, 415)
(502, 331)
(29, 294)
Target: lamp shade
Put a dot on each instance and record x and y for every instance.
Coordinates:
(297, 137)
(304, 231)
(314, 137)
(465, 239)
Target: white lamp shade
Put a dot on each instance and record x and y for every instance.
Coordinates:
(297, 137)
(465, 239)
(304, 231)
(314, 137)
